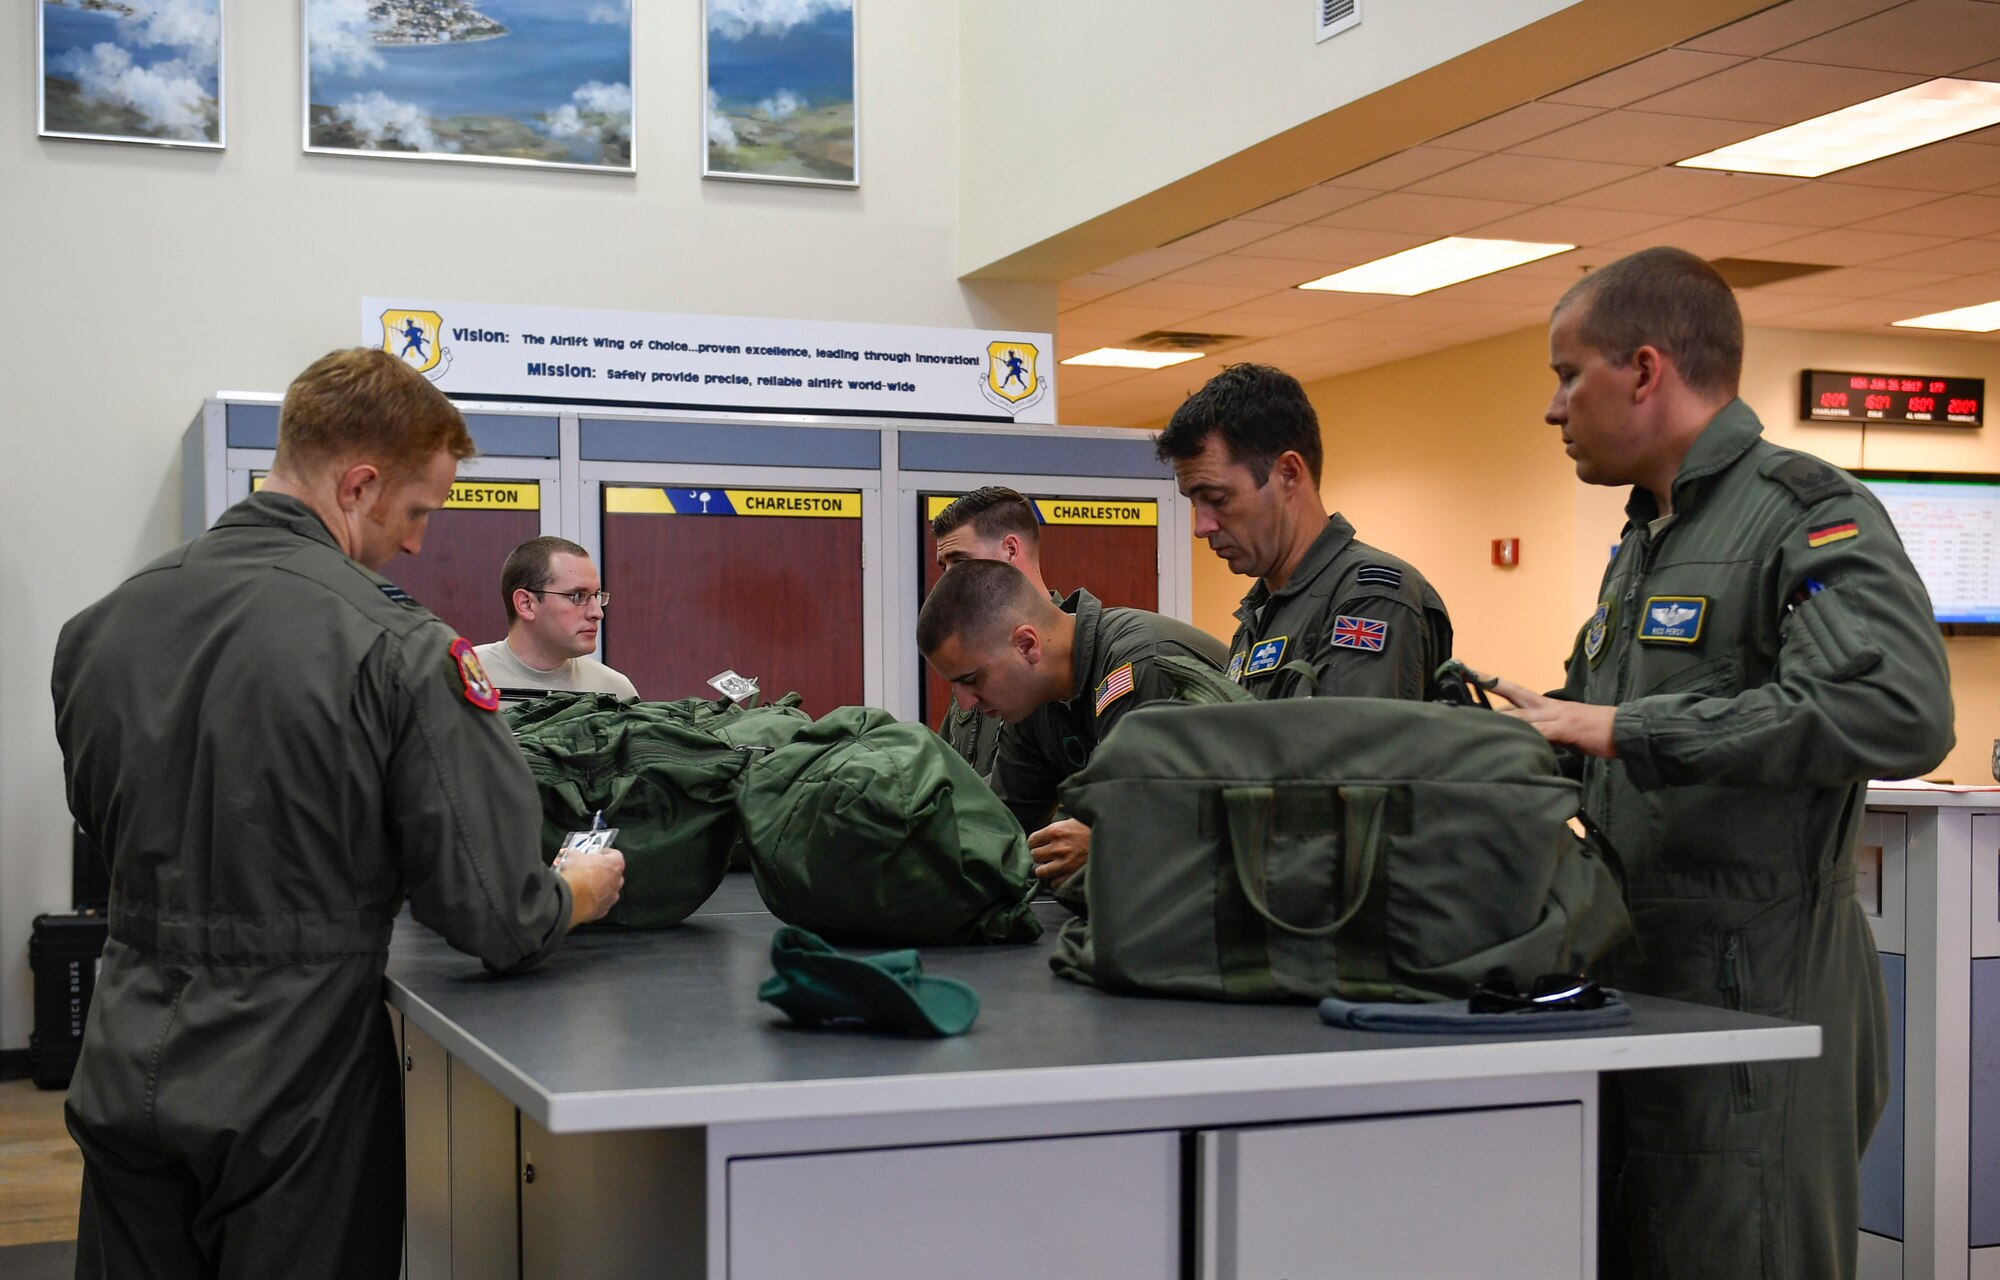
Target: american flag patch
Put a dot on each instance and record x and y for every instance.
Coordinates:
(1834, 532)
(1379, 575)
(1113, 687)
(1359, 633)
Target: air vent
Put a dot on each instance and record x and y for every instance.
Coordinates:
(1181, 340)
(1748, 273)
(1336, 16)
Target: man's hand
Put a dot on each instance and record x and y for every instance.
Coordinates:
(595, 881)
(1580, 725)
(1059, 850)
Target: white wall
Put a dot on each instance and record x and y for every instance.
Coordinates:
(137, 280)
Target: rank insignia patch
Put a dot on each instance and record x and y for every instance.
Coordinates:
(479, 690)
(1359, 633)
(1113, 687)
(1673, 619)
(396, 594)
(1236, 666)
(1595, 631)
(1838, 531)
(1379, 575)
(1265, 655)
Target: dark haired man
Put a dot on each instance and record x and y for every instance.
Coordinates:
(555, 604)
(1329, 613)
(306, 749)
(992, 522)
(1059, 677)
(1761, 648)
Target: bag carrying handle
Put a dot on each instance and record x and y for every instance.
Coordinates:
(1250, 811)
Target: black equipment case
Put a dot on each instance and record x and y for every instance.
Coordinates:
(63, 952)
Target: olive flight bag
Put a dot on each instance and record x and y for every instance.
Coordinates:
(1368, 848)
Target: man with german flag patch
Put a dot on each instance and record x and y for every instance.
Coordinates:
(1761, 648)
(1059, 677)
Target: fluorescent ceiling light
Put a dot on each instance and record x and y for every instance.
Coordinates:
(1912, 117)
(1123, 358)
(1984, 318)
(1435, 265)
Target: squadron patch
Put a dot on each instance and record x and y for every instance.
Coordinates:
(1838, 531)
(479, 690)
(1673, 619)
(1113, 687)
(1594, 632)
(1236, 666)
(1265, 655)
(1360, 633)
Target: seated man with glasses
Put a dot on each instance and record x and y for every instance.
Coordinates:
(554, 606)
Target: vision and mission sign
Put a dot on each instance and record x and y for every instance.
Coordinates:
(660, 360)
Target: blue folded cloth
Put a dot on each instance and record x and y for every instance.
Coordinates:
(1453, 1018)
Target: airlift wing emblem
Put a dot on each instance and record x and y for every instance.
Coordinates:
(1012, 380)
(414, 337)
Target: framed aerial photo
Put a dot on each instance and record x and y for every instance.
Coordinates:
(132, 71)
(780, 76)
(533, 82)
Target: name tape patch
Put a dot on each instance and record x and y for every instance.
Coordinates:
(1265, 655)
(1673, 619)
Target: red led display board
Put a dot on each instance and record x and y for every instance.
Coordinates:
(1918, 399)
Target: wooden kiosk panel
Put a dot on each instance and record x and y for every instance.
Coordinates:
(766, 583)
(1108, 546)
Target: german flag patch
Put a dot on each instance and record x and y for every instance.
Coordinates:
(1838, 531)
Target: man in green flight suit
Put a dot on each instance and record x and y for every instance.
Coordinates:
(1761, 648)
(276, 747)
(990, 523)
(1329, 613)
(1059, 677)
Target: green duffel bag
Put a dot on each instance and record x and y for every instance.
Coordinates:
(866, 829)
(1362, 847)
(663, 773)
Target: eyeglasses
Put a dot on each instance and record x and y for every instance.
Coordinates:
(577, 598)
(1501, 994)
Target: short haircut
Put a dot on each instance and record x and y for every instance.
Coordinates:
(993, 511)
(527, 567)
(1259, 412)
(362, 404)
(1669, 299)
(978, 601)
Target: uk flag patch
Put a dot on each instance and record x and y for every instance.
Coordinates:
(1359, 633)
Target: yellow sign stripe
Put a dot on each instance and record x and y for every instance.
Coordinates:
(629, 500)
(938, 502)
(1118, 511)
(473, 495)
(681, 500)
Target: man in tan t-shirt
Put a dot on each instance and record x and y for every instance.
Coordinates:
(555, 604)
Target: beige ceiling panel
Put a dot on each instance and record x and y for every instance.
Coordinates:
(1847, 248)
(1153, 262)
(1313, 202)
(1644, 78)
(1286, 353)
(1864, 313)
(1760, 307)
(1850, 283)
(1082, 379)
(1949, 293)
(1249, 324)
(1365, 329)
(1534, 179)
(1529, 120)
(1313, 305)
(1405, 167)
(1242, 269)
(1429, 215)
(1771, 92)
(1223, 236)
(1683, 192)
(1074, 293)
(1435, 312)
(1121, 319)
(1510, 287)
(1951, 216)
(1963, 257)
(1786, 24)
(1333, 246)
(1188, 298)
(1928, 37)
(1709, 237)
(1942, 166)
(1827, 203)
(1566, 224)
(1638, 137)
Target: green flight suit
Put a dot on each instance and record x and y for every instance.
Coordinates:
(1769, 650)
(274, 747)
(975, 737)
(1367, 624)
(1040, 753)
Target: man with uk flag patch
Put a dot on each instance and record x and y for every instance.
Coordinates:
(1329, 614)
(1760, 649)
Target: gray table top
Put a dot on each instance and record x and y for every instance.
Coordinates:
(642, 1029)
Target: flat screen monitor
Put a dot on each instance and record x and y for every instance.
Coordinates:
(1950, 523)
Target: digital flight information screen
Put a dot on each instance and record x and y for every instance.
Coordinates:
(1950, 524)
(1917, 399)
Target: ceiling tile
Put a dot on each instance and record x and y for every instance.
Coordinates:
(1304, 206)
(1082, 379)
(1533, 179)
(1121, 319)
(1866, 313)
(1509, 287)
(1437, 312)
(1928, 37)
(1709, 237)
(1851, 283)
(1759, 306)
(1638, 137)
(1785, 24)
(1222, 237)
(1951, 216)
(1249, 324)
(1334, 246)
(1567, 224)
(1423, 214)
(1951, 291)
(1404, 168)
(1187, 297)
(1966, 257)
(1635, 80)
(1365, 329)
(1311, 306)
(1827, 203)
(1289, 353)
(1683, 192)
(1529, 120)
(1153, 262)
(1770, 92)
(1942, 166)
(1847, 248)
(1088, 288)
(1243, 269)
